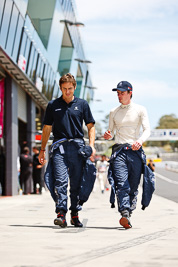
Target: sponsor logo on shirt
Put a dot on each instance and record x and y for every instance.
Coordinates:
(57, 109)
(76, 108)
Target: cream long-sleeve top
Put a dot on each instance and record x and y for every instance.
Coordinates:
(126, 121)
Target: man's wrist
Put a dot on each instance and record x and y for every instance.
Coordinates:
(140, 141)
(43, 149)
(92, 146)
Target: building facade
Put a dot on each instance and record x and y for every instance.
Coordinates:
(39, 42)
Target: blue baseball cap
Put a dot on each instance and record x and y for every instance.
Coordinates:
(123, 86)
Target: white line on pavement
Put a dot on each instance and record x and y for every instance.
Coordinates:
(166, 179)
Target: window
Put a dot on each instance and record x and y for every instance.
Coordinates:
(41, 14)
(5, 22)
(79, 80)
(66, 53)
(12, 30)
(17, 38)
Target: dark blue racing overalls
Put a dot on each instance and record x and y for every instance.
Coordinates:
(67, 162)
(126, 167)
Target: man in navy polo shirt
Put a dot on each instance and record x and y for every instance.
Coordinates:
(65, 116)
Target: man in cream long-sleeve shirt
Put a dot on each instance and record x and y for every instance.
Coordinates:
(125, 123)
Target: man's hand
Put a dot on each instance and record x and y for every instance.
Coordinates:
(137, 145)
(45, 136)
(107, 135)
(41, 157)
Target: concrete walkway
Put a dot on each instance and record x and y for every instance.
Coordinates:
(28, 237)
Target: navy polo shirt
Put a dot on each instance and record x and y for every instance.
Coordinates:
(67, 119)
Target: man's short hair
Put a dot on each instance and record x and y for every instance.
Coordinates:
(26, 149)
(67, 78)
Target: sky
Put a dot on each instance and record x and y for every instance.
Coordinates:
(134, 41)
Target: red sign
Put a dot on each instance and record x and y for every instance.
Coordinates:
(38, 137)
(1, 107)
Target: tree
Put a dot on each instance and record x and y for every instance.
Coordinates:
(168, 122)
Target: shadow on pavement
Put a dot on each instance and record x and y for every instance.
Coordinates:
(68, 227)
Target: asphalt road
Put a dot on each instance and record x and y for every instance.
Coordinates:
(166, 183)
